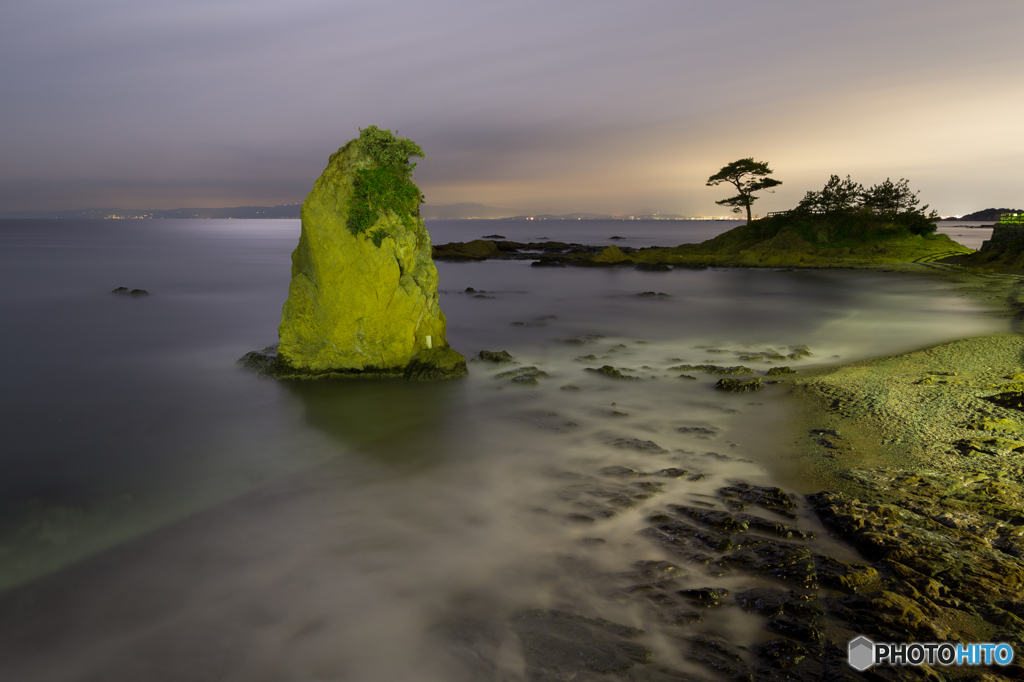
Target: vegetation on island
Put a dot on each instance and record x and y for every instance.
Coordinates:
(841, 224)
(747, 176)
(385, 187)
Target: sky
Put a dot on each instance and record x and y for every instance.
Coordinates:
(605, 107)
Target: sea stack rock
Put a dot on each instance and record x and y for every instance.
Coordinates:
(363, 296)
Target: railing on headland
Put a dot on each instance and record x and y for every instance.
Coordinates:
(1011, 218)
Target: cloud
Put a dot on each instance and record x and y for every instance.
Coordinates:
(576, 104)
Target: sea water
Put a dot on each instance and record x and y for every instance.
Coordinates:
(165, 515)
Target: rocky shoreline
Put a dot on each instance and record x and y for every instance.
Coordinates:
(915, 460)
(919, 455)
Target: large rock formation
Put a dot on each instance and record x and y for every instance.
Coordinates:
(363, 296)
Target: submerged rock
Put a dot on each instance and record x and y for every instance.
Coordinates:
(363, 296)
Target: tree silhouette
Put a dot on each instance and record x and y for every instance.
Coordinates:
(747, 176)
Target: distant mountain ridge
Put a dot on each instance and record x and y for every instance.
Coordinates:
(992, 214)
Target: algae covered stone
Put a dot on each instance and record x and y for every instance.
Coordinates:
(363, 295)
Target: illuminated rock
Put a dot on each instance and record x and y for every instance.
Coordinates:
(363, 295)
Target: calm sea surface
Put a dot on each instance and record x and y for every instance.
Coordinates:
(165, 515)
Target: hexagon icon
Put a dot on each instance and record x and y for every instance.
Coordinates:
(861, 653)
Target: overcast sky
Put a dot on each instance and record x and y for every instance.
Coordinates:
(611, 107)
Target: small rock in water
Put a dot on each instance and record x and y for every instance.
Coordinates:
(616, 237)
(494, 236)
(499, 357)
(637, 444)
(125, 291)
(740, 385)
(529, 379)
(620, 471)
(516, 372)
(610, 371)
(780, 370)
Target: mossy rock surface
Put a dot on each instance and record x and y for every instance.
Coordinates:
(363, 295)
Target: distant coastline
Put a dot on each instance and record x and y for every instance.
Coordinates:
(465, 211)
(462, 211)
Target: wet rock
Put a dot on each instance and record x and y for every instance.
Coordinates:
(706, 597)
(569, 387)
(740, 385)
(500, 357)
(610, 371)
(687, 376)
(516, 372)
(645, 446)
(262, 362)
(620, 471)
(654, 568)
(587, 358)
(729, 522)
(719, 656)
(673, 473)
(712, 369)
(682, 539)
(125, 291)
(783, 653)
(435, 364)
(529, 379)
(652, 294)
(698, 430)
(774, 371)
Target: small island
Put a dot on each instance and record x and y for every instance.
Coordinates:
(842, 225)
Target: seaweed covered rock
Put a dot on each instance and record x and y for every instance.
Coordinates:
(363, 296)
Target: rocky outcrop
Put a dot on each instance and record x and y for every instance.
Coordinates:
(1004, 250)
(363, 296)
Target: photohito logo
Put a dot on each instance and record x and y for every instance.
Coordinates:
(862, 653)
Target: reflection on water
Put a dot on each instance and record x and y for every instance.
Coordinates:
(167, 516)
(401, 424)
